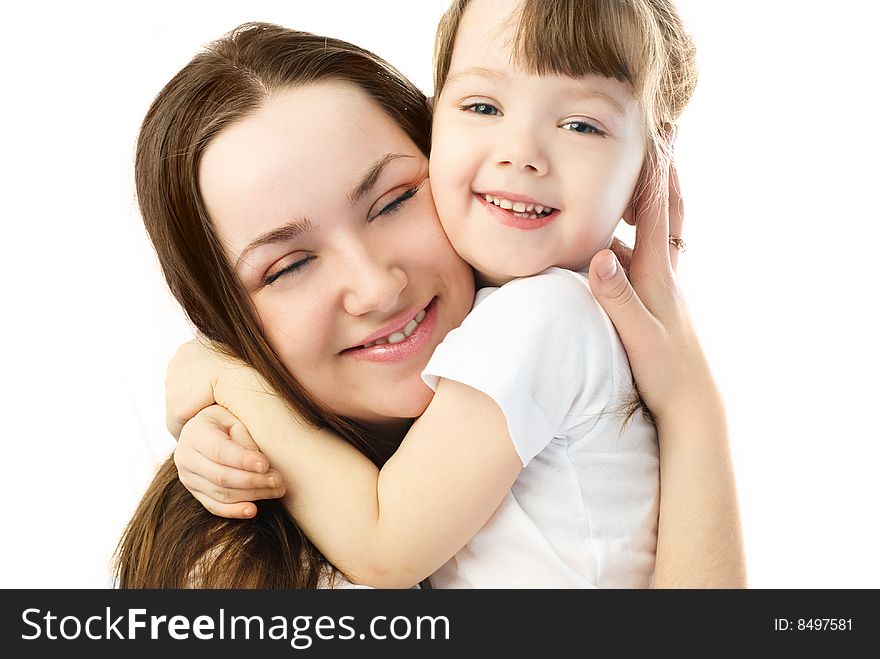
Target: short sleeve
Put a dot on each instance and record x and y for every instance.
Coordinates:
(540, 347)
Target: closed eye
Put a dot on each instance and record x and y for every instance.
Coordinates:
(397, 203)
(289, 269)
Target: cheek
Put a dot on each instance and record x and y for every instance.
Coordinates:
(430, 254)
(454, 160)
(612, 182)
(298, 334)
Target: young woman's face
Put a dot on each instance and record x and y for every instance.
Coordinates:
(324, 207)
(528, 171)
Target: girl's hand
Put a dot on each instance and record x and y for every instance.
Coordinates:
(211, 454)
(221, 474)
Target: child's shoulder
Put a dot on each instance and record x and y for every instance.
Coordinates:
(554, 288)
(551, 301)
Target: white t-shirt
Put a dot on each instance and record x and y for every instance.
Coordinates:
(583, 511)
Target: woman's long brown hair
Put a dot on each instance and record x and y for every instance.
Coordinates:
(172, 541)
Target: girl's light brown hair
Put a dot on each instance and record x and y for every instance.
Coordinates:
(641, 42)
(173, 541)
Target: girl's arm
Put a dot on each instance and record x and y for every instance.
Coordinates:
(391, 528)
(700, 541)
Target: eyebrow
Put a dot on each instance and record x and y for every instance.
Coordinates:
(368, 180)
(280, 234)
(298, 227)
(579, 93)
(479, 71)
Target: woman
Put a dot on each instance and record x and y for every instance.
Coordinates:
(227, 301)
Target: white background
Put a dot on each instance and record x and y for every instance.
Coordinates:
(778, 159)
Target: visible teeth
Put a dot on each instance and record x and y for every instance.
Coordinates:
(397, 337)
(516, 206)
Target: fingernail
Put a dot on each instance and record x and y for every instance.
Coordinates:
(271, 481)
(247, 511)
(606, 268)
(258, 466)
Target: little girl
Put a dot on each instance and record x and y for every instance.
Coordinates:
(543, 139)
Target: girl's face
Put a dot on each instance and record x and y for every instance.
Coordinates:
(324, 207)
(528, 171)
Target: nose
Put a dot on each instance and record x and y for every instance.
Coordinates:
(520, 148)
(373, 284)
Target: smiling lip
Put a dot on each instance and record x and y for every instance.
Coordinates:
(509, 219)
(393, 352)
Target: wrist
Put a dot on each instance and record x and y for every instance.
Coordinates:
(697, 410)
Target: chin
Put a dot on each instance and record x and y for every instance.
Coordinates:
(414, 403)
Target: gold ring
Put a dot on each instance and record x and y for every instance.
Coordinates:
(678, 243)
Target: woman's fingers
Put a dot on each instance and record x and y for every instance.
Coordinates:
(622, 251)
(651, 251)
(676, 214)
(611, 288)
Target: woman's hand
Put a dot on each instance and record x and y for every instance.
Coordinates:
(649, 312)
(699, 539)
(216, 458)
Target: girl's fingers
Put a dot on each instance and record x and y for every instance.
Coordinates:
(251, 458)
(227, 510)
(222, 438)
(223, 476)
(226, 494)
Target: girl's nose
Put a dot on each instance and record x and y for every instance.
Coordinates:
(522, 150)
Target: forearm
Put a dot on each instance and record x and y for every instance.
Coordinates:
(395, 527)
(699, 542)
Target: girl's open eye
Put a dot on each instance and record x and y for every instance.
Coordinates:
(582, 127)
(288, 269)
(486, 109)
(397, 203)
